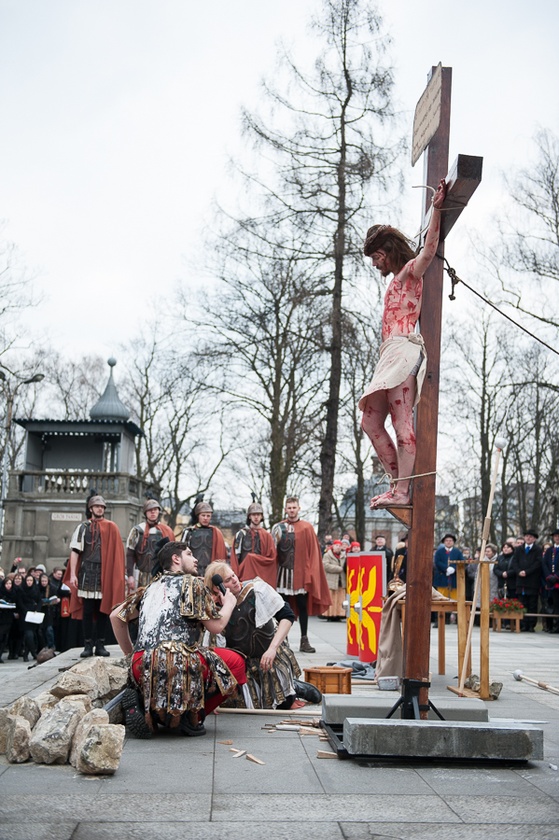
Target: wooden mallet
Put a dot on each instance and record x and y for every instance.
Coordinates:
(518, 675)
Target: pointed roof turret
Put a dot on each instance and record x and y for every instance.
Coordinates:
(109, 405)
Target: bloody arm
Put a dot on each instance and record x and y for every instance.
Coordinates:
(425, 256)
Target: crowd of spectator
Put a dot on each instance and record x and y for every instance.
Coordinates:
(33, 606)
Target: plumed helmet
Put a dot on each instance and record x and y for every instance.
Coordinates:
(150, 504)
(255, 507)
(96, 500)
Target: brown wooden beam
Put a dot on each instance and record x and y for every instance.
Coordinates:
(462, 181)
(419, 570)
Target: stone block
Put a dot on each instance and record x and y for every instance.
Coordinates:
(51, 738)
(72, 682)
(95, 668)
(27, 708)
(507, 741)
(4, 715)
(118, 678)
(83, 699)
(18, 736)
(337, 707)
(95, 716)
(45, 701)
(101, 750)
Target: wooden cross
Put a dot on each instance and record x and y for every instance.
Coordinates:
(462, 180)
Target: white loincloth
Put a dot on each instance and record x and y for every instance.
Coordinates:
(398, 356)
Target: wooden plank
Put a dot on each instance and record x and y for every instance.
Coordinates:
(465, 692)
(402, 514)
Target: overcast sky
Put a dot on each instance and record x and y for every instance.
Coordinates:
(118, 118)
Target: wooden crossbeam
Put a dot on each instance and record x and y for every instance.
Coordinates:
(462, 181)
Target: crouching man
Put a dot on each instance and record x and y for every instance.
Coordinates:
(178, 681)
(258, 628)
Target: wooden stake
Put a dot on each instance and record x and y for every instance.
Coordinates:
(484, 643)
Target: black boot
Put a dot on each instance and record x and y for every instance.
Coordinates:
(88, 649)
(100, 649)
(307, 691)
(134, 719)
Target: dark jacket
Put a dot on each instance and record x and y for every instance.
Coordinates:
(550, 568)
(504, 564)
(530, 562)
(441, 562)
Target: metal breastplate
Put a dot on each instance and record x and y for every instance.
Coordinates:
(286, 547)
(242, 634)
(249, 543)
(200, 541)
(160, 616)
(143, 555)
(89, 577)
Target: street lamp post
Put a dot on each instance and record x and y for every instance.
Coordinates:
(11, 394)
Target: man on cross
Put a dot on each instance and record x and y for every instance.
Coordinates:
(398, 377)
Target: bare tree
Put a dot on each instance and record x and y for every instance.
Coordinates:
(325, 134)
(362, 337)
(477, 398)
(263, 354)
(183, 443)
(529, 235)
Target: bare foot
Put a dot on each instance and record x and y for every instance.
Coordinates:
(390, 499)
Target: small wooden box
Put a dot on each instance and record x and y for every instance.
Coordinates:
(331, 679)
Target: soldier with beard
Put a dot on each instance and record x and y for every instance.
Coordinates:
(204, 540)
(141, 545)
(254, 549)
(301, 577)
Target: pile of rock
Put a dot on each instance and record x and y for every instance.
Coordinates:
(68, 723)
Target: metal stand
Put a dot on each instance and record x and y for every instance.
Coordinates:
(409, 699)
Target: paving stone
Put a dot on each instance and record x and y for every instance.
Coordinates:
(442, 739)
(207, 831)
(331, 807)
(428, 831)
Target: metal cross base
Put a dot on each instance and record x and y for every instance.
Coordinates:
(409, 699)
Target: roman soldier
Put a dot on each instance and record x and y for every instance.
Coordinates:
(254, 549)
(204, 540)
(141, 544)
(95, 574)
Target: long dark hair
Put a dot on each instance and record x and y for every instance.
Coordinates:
(393, 242)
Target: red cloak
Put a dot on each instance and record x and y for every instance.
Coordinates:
(262, 565)
(113, 569)
(308, 569)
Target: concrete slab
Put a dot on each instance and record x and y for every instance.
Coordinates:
(363, 807)
(337, 707)
(205, 831)
(286, 769)
(428, 831)
(441, 739)
(106, 807)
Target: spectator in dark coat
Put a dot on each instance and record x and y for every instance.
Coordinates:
(28, 599)
(550, 573)
(527, 565)
(505, 573)
(6, 614)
